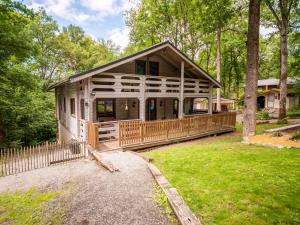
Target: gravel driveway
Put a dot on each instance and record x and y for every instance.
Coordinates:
(104, 198)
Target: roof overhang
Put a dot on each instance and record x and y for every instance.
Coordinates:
(145, 52)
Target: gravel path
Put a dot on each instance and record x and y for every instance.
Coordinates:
(104, 198)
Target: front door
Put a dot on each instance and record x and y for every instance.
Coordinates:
(151, 109)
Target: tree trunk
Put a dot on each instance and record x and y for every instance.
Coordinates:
(283, 65)
(249, 117)
(219, 69)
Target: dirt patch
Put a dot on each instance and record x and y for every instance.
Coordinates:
(269, 139)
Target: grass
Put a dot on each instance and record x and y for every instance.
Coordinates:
(31, 207)
(260, 128)
(161, 199)
(226, 182)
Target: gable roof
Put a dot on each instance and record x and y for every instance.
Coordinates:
(126, 59)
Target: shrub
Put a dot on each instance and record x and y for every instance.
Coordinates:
(277, 134)
(294, 112)
(283, 121)
(295, 137)
(261, 115)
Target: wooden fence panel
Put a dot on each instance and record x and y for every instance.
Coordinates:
(17, 160)
(137, 132)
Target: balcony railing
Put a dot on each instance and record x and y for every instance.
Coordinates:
(132, 84)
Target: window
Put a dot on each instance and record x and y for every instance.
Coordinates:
(105, 108)
(65, 105)
(175, 106)
(82, 109)
(140, 67)
(153, 68)
(72, 106)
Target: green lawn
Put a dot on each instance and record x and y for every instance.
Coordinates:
(30, 207)
(227, 182)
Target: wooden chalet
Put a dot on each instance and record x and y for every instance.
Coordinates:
(141, 100)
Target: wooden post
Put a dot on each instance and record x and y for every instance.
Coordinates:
(180, 110)
(210, 100)
(47, 153)
(142, 100)
(96, 135)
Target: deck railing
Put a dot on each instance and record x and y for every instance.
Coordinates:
(108, 131)
(138, 132)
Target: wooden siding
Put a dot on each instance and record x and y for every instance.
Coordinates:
(165, 68)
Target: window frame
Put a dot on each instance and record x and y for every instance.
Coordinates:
(106, 114)
(72, 107)
(149, 69)
(65, 106)
(136, 67)
(82, 109)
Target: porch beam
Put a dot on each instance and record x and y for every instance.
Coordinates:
(142, 101)
(180, 111)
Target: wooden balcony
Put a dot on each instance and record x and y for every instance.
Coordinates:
(116, 85)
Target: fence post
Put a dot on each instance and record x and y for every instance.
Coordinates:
(96, 137)
(47, 153)
(142, 126)
(85, 150)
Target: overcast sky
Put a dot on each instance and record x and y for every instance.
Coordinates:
(98, 18)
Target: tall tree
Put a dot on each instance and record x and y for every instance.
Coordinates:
(282, 10)
(252, 69)
(217, 15)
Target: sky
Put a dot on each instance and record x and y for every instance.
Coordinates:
(99, 18)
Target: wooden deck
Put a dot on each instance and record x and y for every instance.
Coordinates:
(138, 134)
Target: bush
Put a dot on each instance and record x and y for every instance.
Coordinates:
(277, 134)
(295, 137)
(294, 112)
(283, 121)
(261, 115)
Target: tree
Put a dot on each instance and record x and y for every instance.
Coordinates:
(159, 20)
(282, 10)
(26, 115)
(217, 15)
(252, 69)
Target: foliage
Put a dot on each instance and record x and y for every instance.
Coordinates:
(262, 115)
(28, 208)
(191, 26)
(282, 121)
(260, 128)
(34, 54)
(226, 182)
(293, 112)
(296, 137)
(23, 105)
(277, 134)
